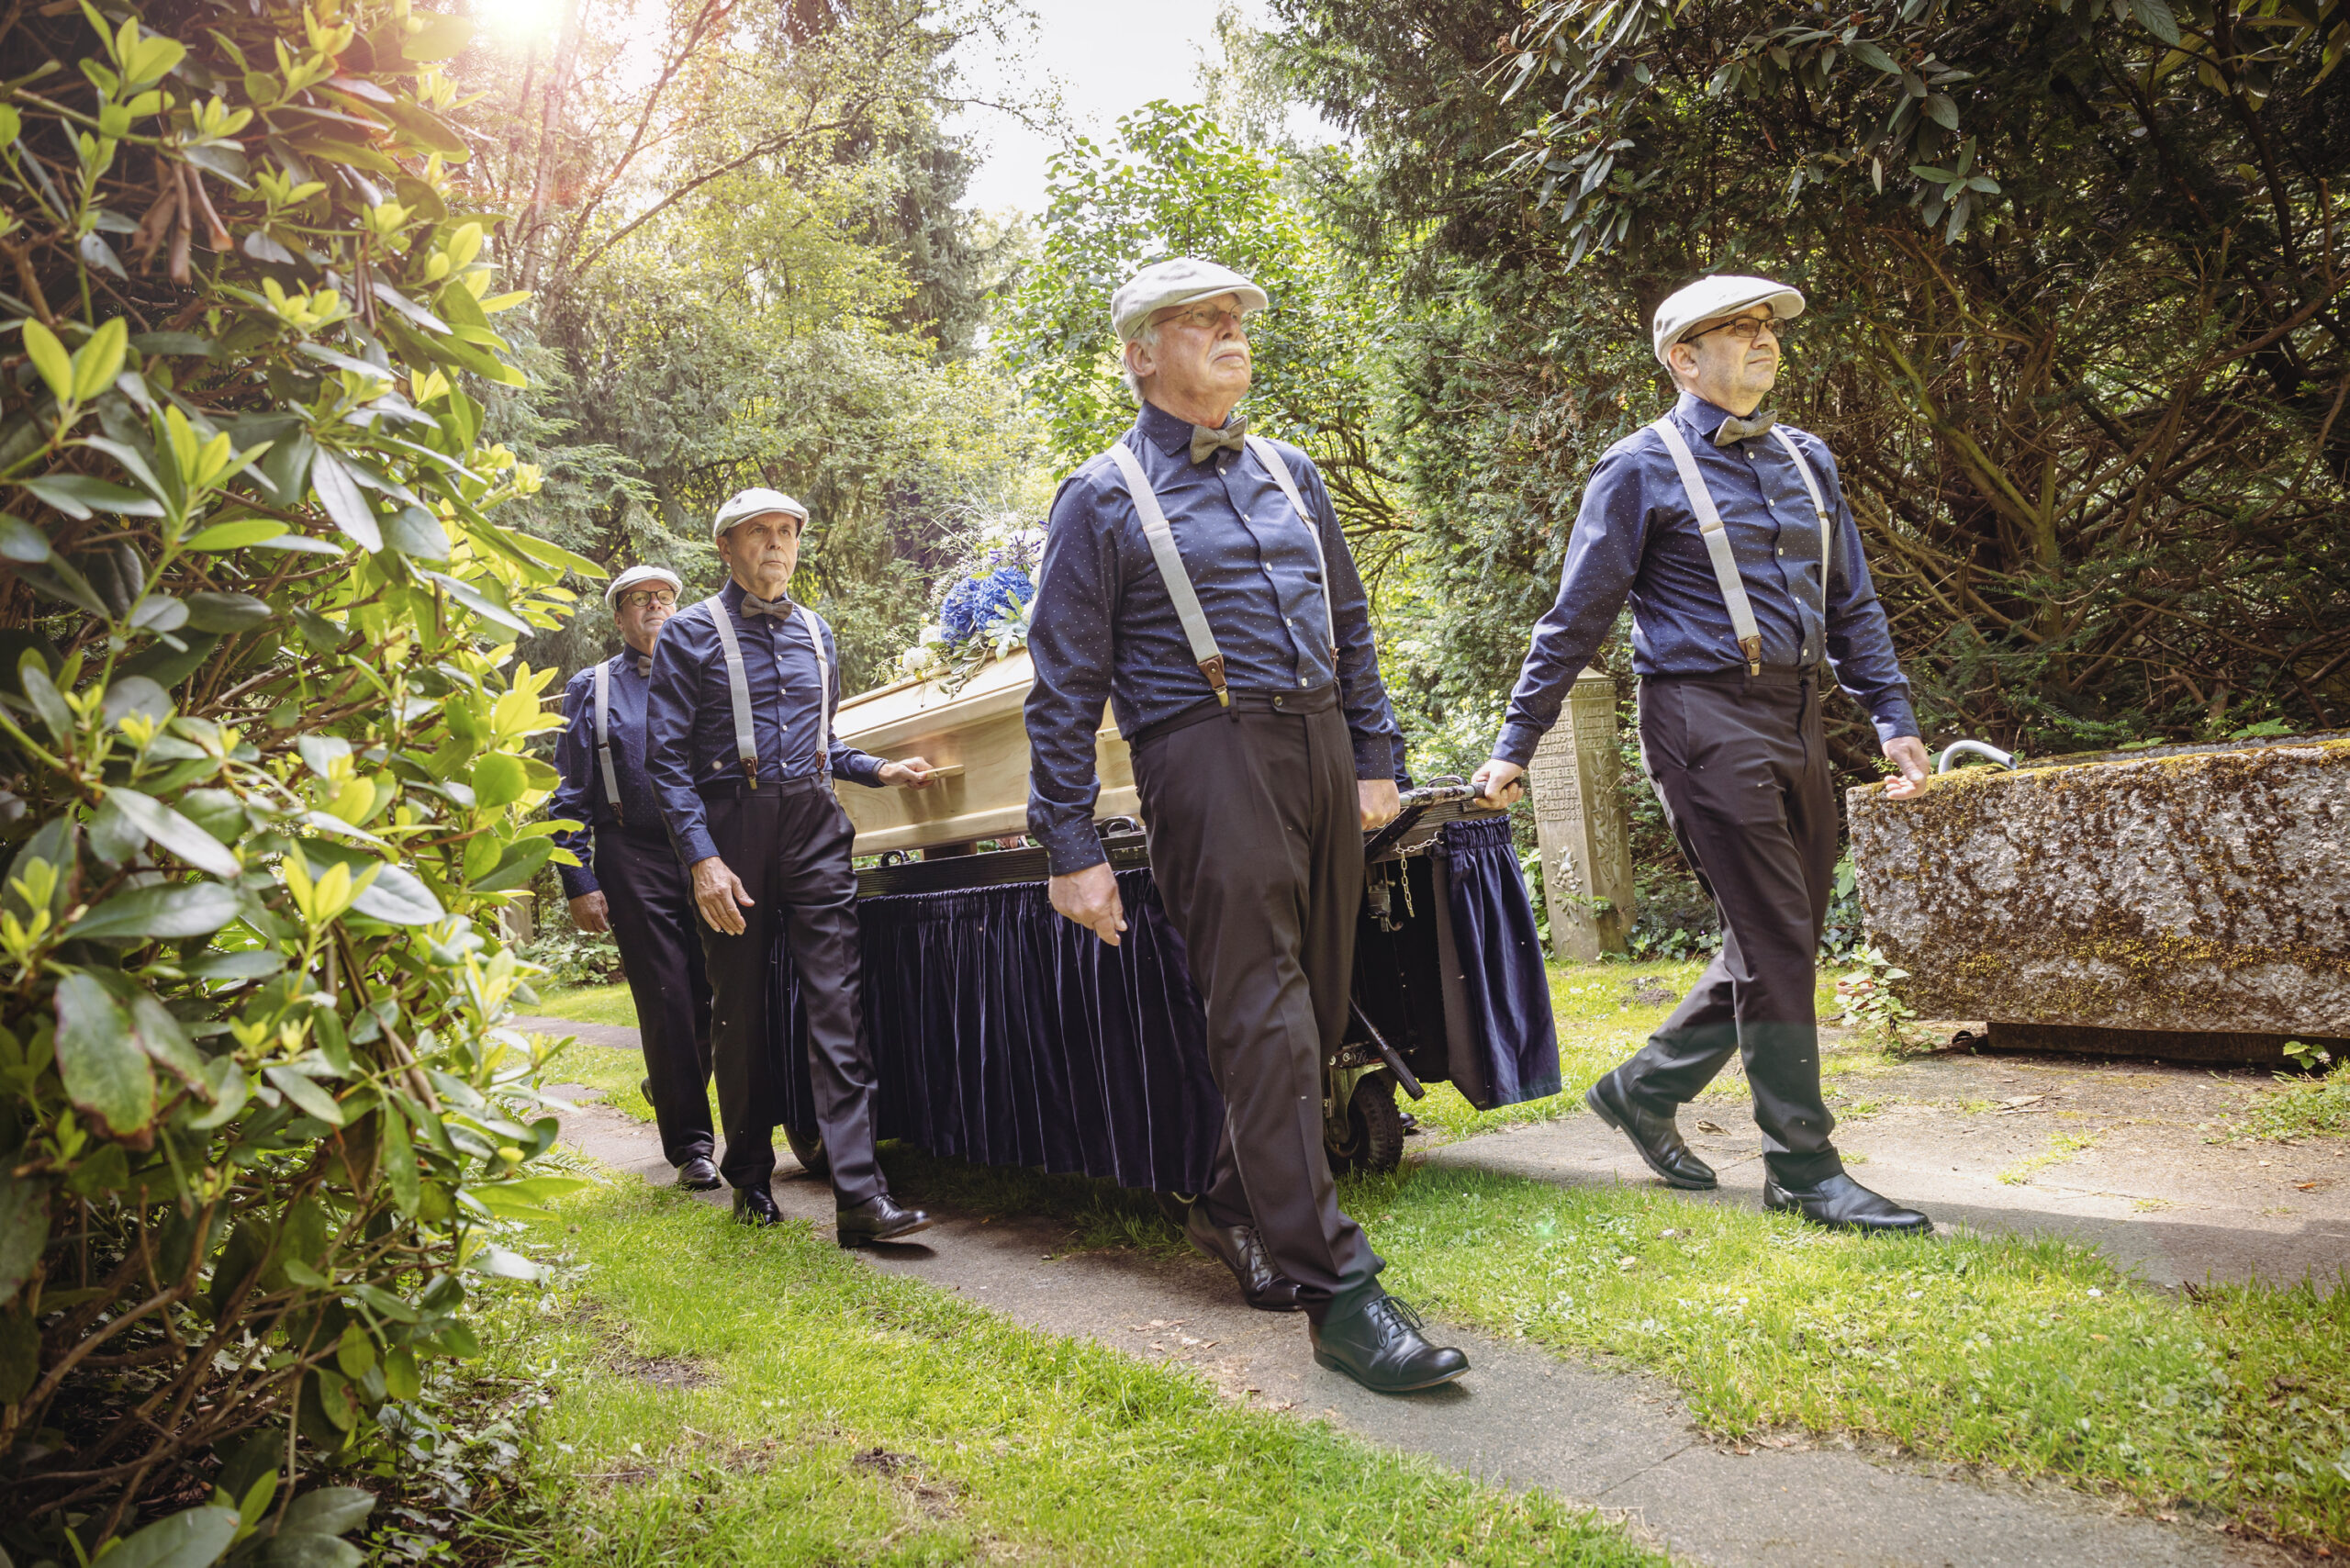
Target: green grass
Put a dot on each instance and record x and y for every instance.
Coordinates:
(589, 1004)
(723, 1396)
(2318, 1107)
(2060, 1148)
(2029, 1354)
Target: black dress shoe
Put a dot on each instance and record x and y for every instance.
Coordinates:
(879, 1218)
(1381, 1346)
(756, 1205)
(1239, 1248)
(1656, 1137)
(1842, 1203)
(698, 1175)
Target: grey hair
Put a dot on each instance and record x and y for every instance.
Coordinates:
(1148, 336)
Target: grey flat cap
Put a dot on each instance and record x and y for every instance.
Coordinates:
(1176, 282)
(635, 576)
(1718, 298)
(756, 501)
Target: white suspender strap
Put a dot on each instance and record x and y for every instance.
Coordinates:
(1271, 457)
(815, 628)
(1709, 524)
(1205, 652)
(604, 739)
(1818, 505)
(738, 686)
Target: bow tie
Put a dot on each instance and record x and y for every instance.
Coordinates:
(640, 662)
(1233, 437)
(1735, 428)
(781, 609)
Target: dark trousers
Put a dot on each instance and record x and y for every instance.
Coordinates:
(1740, 765)
(1256, 843)
(790, 845)
(651, 903)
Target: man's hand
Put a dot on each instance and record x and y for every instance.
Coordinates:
(1498, 781)
(1908, 754)
(1379, 800)
(591, 913)
(913, 773)
(1091, 898)
(717, 892)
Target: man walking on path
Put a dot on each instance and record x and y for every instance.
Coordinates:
(743, 760)
(1750, 596)
(1194, 577)
(627, 880)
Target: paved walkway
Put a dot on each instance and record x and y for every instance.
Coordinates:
(1524, 1418)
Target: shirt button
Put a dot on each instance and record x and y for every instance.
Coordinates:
(1304, 681)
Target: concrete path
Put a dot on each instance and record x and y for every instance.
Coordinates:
(1524, 1418)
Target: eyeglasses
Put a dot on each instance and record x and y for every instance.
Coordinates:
(1746, 329)
(1201, 318)
(641, 597)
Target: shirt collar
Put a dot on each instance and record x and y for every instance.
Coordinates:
(1699, 415)
(1169, 434)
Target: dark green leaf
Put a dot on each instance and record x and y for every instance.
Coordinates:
(186, 909)
(192, 1540)
(340, 494)
(246, 963)
(78, 494)
(23, 1227)
(415, 533)
(172, 344)
(397, 897)
(304, 1092)
(330, 1510)
(517, 866)
(96, 252)
(306, 1549)
(481, 604)
(20, 540)
(2156, 18)
(175, 833)
(1943, 110)
(167, 666)
(226, 612)
(106, 1075)
(135, 694)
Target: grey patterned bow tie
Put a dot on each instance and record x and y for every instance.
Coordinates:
(1233, 437)
(640, 662)
(1735, 428)
(782, 608)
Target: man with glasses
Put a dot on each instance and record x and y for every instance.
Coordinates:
(743, 760)
(1195, 578)
(627, 880)
(1751, 596)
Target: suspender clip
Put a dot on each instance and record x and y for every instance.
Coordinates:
(1752, 648)
(1212, 667)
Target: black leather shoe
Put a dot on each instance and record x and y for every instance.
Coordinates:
(879, 1218)
(756, 1205)
(1842, 1204)
(1239, 1248)
(698, 1174)
(1656, 1137)
(1380, 1346)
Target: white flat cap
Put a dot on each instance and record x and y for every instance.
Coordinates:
(756, 501)
(1176, 282)
(636, 576)
(1718, 298)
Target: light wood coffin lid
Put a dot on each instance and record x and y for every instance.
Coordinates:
(980, 728)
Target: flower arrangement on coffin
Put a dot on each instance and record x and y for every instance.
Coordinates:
(983, 612)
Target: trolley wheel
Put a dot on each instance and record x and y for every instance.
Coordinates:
(809, 1149)
(1374, 1127)
(1176, 1206)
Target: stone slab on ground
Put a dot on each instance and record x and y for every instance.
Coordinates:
(2204, 891)
(1524, 1418)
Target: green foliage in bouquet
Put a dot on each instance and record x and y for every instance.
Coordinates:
(261, 782)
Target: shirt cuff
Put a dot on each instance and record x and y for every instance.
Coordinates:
(1070, 846)
(695, 844)
(1374, 757)
(1894, 719)
(864, 768)
(579, 882)
(1517, 742)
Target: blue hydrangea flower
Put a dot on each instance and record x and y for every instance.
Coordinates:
(976, 601)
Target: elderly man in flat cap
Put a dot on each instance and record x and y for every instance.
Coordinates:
(1750, 598)
(742, 758)
(627, 880)
(1195, 578)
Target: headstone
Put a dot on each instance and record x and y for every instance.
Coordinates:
(2192, 890)
(1580, 823)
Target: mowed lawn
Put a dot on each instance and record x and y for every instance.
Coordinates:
(2031, 1355)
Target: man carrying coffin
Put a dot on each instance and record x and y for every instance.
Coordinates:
(1750, 598)
(1195, 578)
(742, 758)
(627, 880)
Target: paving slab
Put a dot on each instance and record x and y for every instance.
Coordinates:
(1524, 1418)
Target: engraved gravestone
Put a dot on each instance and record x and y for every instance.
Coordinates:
(1580, 824)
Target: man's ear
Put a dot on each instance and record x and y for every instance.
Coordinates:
(1139, 360)
(1682, 361)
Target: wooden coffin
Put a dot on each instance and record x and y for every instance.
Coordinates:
(977, 736)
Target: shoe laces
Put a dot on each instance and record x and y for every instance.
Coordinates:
(1397, 1314)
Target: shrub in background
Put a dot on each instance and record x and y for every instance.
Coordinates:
(260, 734)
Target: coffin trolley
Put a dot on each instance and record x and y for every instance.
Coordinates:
(1003, 1035)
